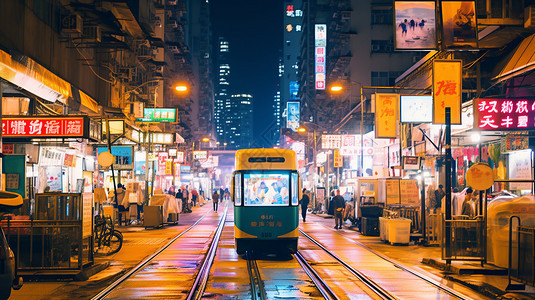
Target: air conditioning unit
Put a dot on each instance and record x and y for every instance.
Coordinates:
(72, 24)
(92, 34)
(529, 17)
(173, 49)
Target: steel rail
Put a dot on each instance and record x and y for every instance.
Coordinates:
(411, 271)
(321, 285)
(104, 293)
(380, 291)
(199, 285)
(258, 290)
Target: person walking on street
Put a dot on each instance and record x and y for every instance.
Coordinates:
(339, 205)
(215, 200)
(194, 196)
(439, 194)
(467, 207)
(304, 204)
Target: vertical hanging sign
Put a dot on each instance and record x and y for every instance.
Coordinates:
(320, 47)
(386, 115)
(338, 159)
(447, 87)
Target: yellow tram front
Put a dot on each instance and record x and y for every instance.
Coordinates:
(266, 193)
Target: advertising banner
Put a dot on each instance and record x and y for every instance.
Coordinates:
(504, 114)
(180, 157)
(386, 113)
(414, 25)
(320, 35)
(410, 104)
(293, 115)
(447, 87)
(124, 156)
(162, 159)
(459, 29)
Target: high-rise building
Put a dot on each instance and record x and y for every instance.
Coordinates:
(239, 121)
(222, 97)
(293, 26)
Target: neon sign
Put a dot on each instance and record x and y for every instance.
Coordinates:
(44, 127)
(320, 35)
(504, 114)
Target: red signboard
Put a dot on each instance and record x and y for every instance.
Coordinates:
(8, 149)
(504, 114)
(43, 127)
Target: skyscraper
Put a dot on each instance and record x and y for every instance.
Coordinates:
(293, 22)
(222, 98)
(239, 121)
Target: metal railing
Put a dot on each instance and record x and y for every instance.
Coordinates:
(48, 245)
(467, 240)
(526, 255)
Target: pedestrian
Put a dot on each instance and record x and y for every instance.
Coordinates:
(439, 194)
(467, 208)
(304, 204)
(122, 203)
(215, 200)
(339, 206)
(194, 196)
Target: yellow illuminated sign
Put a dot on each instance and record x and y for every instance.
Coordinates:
(447, 87)
(386, 115)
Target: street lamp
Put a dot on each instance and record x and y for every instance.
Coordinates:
(181, 88)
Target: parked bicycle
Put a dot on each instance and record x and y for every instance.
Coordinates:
(107, 240)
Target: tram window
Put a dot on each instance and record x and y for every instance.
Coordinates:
(276, 159)
(266, 188)
(257, 159)
(295, 189)
(237, 189)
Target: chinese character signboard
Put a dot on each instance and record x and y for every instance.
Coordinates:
(459, 26)
(447, 87)
(23, 127)
(338, 159)
(504, 114)
(162, 115)
(292, 115)
(332, 141)
(386, 112)
(320, 49)
(409, 104)
(200, 154)
(162, 159)
(414, 25)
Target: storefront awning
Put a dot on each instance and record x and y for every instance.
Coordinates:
(523, 60)
(36, 79)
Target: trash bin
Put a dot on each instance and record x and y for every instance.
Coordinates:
(383, 228)
(399, 231)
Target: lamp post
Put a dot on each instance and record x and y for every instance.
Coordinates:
(303, 129)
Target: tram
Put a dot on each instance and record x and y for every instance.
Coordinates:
(266, 190)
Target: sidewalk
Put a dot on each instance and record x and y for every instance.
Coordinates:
(489, 280)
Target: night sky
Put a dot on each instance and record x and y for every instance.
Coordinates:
(254, 32)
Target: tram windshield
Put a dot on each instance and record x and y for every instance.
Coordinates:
(266, 188)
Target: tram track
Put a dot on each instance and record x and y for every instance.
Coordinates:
(199, 285)
(321, 284)
(374, 286)
(258, 290)
(115, 284)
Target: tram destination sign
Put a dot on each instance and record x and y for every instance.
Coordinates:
(504, 114)
(43, 127)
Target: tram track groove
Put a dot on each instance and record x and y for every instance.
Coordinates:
(366, 280)
(199, 285)
(321, 285)
(258, 290)
(111, 287)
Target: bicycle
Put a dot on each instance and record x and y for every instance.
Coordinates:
(107, 240)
